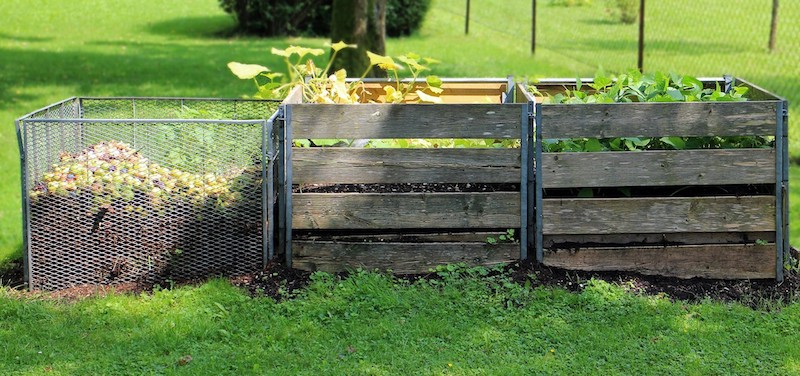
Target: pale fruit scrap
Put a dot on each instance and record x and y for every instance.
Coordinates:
(114, 170)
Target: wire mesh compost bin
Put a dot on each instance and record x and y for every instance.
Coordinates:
(142, 190)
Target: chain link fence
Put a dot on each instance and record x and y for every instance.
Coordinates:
(702, 38)
(143, 190)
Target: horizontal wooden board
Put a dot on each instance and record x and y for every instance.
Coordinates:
(706, 261)
(401, 258)
(659, 215)
(453, 92)
(672, 239)
(407, 236)
(658, 168)
(659, 119)
(352, 165)
(405, 210)
(371, 121)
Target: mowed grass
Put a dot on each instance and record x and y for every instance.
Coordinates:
(51, 50)
(369, 324)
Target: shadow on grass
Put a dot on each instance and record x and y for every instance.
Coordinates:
(692, 48)
(214, 27)
(26, 39)
(149, 69)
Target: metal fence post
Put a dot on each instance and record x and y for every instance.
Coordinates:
(538, 189)
(287, 192)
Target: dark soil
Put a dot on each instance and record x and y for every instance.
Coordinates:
(279, 282)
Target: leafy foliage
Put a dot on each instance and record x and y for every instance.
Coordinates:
(321, 86)
(281, 17)
(313, 17)
(404, 17)
(634, 86)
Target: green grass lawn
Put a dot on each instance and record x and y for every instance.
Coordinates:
(370, 325)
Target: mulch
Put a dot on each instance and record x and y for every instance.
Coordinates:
(279, 282)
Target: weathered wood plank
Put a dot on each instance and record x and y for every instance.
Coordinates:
(295, 96)
(523, 96)
(690, 119)
(406, 236)
(659, 215)
(671, 239)
(405, 210)
(401, 258)
(706, 261)
(355, 166)
(658, 168)
(453, 92)
(500, 121)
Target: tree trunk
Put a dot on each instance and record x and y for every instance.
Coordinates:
(773, 31)
(361, 22)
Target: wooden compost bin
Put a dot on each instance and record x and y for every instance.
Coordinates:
(406, 232)
(724, 232)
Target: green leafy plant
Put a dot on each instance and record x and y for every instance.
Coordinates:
(509, 237)
(319, 85)
(634, 86)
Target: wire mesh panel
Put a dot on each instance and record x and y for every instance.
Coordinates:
(144, 190)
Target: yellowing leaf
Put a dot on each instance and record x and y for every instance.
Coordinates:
(302, 51)
(411, 62)
(340, 45)
(246, 71)
(428, 98)
(340, 75)
(278, 52)
(384, 62)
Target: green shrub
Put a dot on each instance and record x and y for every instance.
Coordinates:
(281, 17)
(404, 17)
(626, 11)
(313, 17)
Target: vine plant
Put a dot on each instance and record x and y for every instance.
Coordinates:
(319, 85)
(634, 86)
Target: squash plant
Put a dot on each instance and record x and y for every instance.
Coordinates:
(634, 86)
(321, 86)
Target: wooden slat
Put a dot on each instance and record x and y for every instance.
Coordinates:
(406, 236)
(672, 239)
(405, 210)
(659, 215)
(401, 258)
(523, 96)
(658, 168)
(351, 165)
(295, 96)
(454, 92)
(707, 261)
(499, 121)
(659, 119)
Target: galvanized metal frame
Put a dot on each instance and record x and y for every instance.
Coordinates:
(781, 188)
(268, 154)
(525, 143)
(287, 184)
(538, 185)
